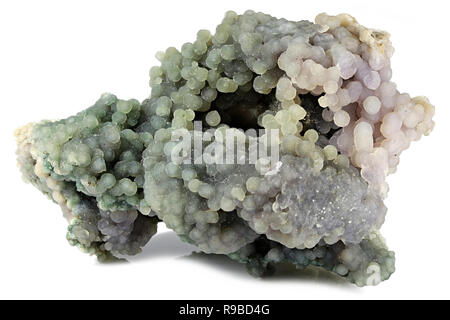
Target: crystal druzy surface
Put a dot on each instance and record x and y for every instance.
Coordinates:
(325, 86)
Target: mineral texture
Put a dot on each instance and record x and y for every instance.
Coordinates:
(340, 126)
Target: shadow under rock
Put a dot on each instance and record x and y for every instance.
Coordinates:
(167, 244)
(220, 262)
(313, 274)
(285, 272)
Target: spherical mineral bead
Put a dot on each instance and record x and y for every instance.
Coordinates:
(227, 204)
(83, 159)
(317, 159)
(330, 152)
(112, 134)
(124, 106)
(179, 123)
(285, 90)
(213, 118)
(372, 80)
(341, 270)
(267, 119)
(238, 193)
(391, 124)
(226, 85)
(179, 113)
(204, 35)
(282, 116)
(156, 72)
(205, 190)
(187, 50)
(119, 117)
(169, 147)
(341, 118)
(355, 89)
(249, 203)
(372, 105)
(414, 117)
(311, 135)
(200, 47)
(107, 180)
(330, 87)
(90, 121)
(297, 112)
(328, 100)
(228, 52)
(289, 143)
(163, 106)
(363, 136)
(242, 78)
(58, 197)
(304, 147)
(213, 76)
(157, 122)
(342, 161)
(162, 135)
(214, 58)
(209, 94)
(249, 41)
(194, 185)
(289, 128)
(173, 170)
(252, 184)
(144, 208)
(162, 111)
(188, 174)
(260, 67)
(201, 74)
(146, 138)
(221, 36)
(127, 186)
(189, 115)
(98, 165)
(192, 101)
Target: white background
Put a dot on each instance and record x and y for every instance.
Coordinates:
(57, 57)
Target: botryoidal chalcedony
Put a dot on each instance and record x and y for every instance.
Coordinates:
(341, 124)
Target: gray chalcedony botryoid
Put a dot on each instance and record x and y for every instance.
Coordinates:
(325, 88)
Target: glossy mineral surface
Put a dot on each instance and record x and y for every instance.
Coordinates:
(326, 86)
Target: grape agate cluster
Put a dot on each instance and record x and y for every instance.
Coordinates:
(325, 86)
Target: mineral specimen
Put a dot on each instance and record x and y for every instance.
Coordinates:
(340, 125)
